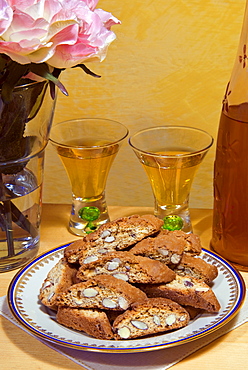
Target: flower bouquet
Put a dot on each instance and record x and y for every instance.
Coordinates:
(39, 39)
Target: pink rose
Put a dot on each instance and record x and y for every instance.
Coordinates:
(62, 33)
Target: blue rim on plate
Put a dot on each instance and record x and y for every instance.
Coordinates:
(229, 287)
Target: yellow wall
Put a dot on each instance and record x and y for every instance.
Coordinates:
(170, 64)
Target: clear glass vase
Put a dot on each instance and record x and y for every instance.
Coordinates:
(25, 124)
(230, 214)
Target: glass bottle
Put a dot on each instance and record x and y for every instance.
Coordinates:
(230, 214)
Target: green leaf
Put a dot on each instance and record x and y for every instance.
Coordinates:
(56, 73)
(42, 70)
(87, 70)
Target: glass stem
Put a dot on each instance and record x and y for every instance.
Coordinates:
(81, 225)
(181, 210)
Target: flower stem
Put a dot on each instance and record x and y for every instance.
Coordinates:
(8, 228)
(7, 219)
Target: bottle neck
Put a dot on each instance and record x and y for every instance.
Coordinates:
(237, 89)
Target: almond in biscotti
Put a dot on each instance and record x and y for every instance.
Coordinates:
(102, 292)
(59, 278)
(185, 290)
(114, 235)
(128, 267)
(155, 315)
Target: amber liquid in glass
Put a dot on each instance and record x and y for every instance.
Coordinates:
(230, 225)
(171, 177)
(87, 168)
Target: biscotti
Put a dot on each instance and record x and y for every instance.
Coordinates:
(114, 235)
(103, 292)
(152, 316)
(171, 250)
(192, 243)
(91, 321)
(193, 311)
(59, 278)
(185, 290)
(166, 248)
(130, 279)
(196, 267)
(128, 267)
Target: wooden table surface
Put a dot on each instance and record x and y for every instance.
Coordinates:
(21, 351)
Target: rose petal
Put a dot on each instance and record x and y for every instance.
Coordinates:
(58, 32)
(6, 16)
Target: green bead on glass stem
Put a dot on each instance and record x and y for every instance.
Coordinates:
(172, 222)
(89, 214)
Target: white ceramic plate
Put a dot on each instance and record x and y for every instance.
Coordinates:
(23, 300)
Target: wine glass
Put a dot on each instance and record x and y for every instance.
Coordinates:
(171, 156)
(87, 148)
